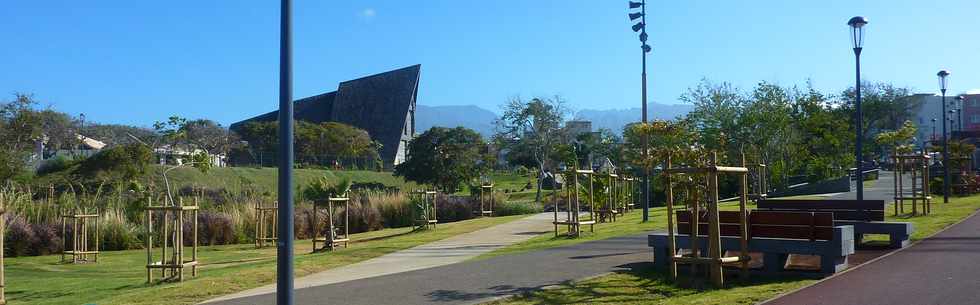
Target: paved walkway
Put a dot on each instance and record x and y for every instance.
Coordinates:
(941, 269)
(479, 281)
(444, 252)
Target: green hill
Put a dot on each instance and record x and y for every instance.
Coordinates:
(264, 179)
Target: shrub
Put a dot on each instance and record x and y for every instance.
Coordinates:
(54, 165)
(213, 229)
(363, 216)
(517, 208)
(117, 233)
(46, 239)
(455, 208)
(19, 237)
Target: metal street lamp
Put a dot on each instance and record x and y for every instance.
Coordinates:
(943, 75)
(284, 245)
(641, 27)
(857, 42)
(959, 112)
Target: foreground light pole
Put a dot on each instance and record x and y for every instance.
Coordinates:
(857, 42)
(943, 74)
(642, 28)
(284, 244)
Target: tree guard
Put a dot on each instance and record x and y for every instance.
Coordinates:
(573, 220)
(425, 209)
(334, 236)
(714, 260)
(609, 209)
(171, 227)
(84, 247)
(629, 188)
(266, 223)
(962, 185)
(486, 199)
(917, 190)
(759, 174)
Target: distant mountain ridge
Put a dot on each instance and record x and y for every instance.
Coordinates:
(482, 120)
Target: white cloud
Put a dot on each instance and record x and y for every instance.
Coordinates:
(973, 91)
(368, 13)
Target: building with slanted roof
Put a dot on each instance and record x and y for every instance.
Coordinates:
(382, 104)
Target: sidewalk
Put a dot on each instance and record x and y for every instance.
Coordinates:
(444, 252)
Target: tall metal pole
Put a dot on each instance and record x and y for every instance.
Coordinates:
(646, 142)
(946, 174)
(284, 244)
(859, 174)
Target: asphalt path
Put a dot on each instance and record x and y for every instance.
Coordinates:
(941, 269)
(478, 281)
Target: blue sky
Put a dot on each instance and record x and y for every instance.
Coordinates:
(135, 62)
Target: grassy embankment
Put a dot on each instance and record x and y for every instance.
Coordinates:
(648, 286)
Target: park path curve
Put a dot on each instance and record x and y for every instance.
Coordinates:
(439, 253)
(941, 269)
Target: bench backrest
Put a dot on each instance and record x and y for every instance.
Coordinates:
(771, 224)
(853, 210)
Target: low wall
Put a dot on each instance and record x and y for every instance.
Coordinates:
(838, 185)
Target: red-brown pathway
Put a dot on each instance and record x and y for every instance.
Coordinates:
(943, 269)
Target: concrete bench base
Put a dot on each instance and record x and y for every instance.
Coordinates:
(833, 253)
(898, 232)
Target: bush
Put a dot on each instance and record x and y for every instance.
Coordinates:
(517, 208)
(363, 216)
(213, 229)
(46, 239)
(19, 237)
(117, 234)
(54, 165)
(455, 208)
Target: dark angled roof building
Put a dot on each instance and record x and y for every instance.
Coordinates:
(383, 104)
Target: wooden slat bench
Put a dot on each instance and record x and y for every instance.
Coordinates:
(867, 216)
(775, 234)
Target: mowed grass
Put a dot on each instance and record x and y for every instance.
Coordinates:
(644, 285)
(120, 276)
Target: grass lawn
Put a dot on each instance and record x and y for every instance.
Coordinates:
(647, 286)
(119, 277)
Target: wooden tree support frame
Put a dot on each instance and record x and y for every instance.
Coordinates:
(426, 216)
(172, 260)
(333, 236)
(83, 247)
(714, 260)
(760, 183)
(917, 190)
(610, 209)
(629, 190)
(266, 224)
(486, 199)
(574, 221)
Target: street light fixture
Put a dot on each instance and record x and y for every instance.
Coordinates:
(641, 27)
(943, 81)
(959, 112)
(857, 43)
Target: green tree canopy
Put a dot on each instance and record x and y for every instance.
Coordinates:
(444, 157)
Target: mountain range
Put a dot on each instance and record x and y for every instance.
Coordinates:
(482, 120)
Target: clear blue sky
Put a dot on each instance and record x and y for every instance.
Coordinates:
(135, 62)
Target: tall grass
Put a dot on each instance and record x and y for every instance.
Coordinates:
(34, 215)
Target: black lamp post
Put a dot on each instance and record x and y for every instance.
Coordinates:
(641, 27)
(284, 245)
(943, 75)
(857, 42)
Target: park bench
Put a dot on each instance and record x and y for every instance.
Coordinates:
(867, 216)
(774, 234)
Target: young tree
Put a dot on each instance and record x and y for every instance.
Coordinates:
(444, 157)
(534, 125)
